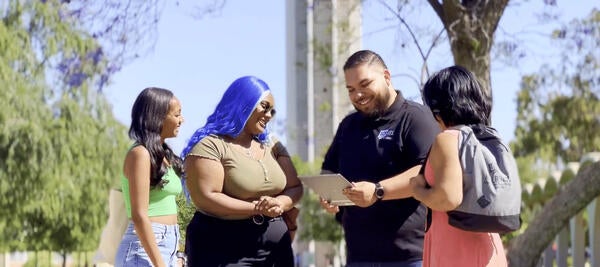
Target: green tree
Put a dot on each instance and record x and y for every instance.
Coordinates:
(90, 145)
(185, 212)
(558, 107)
(60, 145)
(559, 113)
(24, 145)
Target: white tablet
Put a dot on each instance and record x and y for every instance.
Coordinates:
(329, 187)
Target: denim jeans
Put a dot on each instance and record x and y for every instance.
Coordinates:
(131, 252)
(386, 264)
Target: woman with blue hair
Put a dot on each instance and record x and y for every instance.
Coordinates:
(240, 180)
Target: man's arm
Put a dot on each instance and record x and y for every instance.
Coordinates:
(417, 141)
(397, 186)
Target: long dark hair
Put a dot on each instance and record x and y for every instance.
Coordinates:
(147, 115)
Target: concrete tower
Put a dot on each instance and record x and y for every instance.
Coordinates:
(321, 35)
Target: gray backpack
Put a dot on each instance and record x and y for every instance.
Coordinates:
(491, 185)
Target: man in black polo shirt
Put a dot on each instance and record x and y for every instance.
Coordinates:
(379, 148)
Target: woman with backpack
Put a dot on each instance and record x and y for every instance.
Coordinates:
(455, 98)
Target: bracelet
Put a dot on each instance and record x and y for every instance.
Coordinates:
(258, 219)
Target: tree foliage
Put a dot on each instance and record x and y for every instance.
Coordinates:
(185, 213)
(559, 107)
(60, 145)
(558, 116)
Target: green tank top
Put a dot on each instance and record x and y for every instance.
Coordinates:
(162, 200)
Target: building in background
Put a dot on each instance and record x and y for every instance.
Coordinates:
(321, 35)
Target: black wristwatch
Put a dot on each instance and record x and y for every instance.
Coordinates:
(378, 191)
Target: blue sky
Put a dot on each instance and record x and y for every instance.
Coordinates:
(198, 58)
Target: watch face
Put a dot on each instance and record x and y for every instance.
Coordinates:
(378, 191)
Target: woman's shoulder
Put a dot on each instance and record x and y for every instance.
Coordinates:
(273, 142)
(209, 144)
(212, 138)
(447, 135)
(138, 149)
(450, 131)
(137, 153)
(447, 139)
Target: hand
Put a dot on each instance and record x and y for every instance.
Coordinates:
(416, 184)
(268, 206)
(418, 181)
(361, 193)
(330, 208)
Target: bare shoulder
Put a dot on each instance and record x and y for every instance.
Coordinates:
(445, 141)
(445, 136)
(137, 162)
(137, 153)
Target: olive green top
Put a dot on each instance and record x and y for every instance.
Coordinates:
(246, 178)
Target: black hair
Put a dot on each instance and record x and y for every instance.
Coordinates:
(364, 57)
(457, 97)
(147, 115)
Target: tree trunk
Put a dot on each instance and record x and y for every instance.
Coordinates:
(64, 259)
(470, 25)
(573, 197)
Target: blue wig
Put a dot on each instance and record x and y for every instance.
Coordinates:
(232, 112)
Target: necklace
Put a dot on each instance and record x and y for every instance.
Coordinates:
(260, 162)
(265, 172)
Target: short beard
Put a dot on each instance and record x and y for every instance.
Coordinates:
(380, 106)
(376, 113)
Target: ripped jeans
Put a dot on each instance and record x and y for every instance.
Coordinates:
(132, 253)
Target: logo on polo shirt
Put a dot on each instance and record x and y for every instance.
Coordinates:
(385, 134)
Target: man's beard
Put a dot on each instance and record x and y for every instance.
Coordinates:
(380, 106)
(375, 113)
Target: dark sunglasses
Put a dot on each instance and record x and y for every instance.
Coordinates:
(267, 109)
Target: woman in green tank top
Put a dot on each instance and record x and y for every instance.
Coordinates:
(151, 182)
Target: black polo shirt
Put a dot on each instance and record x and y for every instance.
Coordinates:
(373, 149)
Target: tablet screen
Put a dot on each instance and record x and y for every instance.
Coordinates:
(329, 187)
